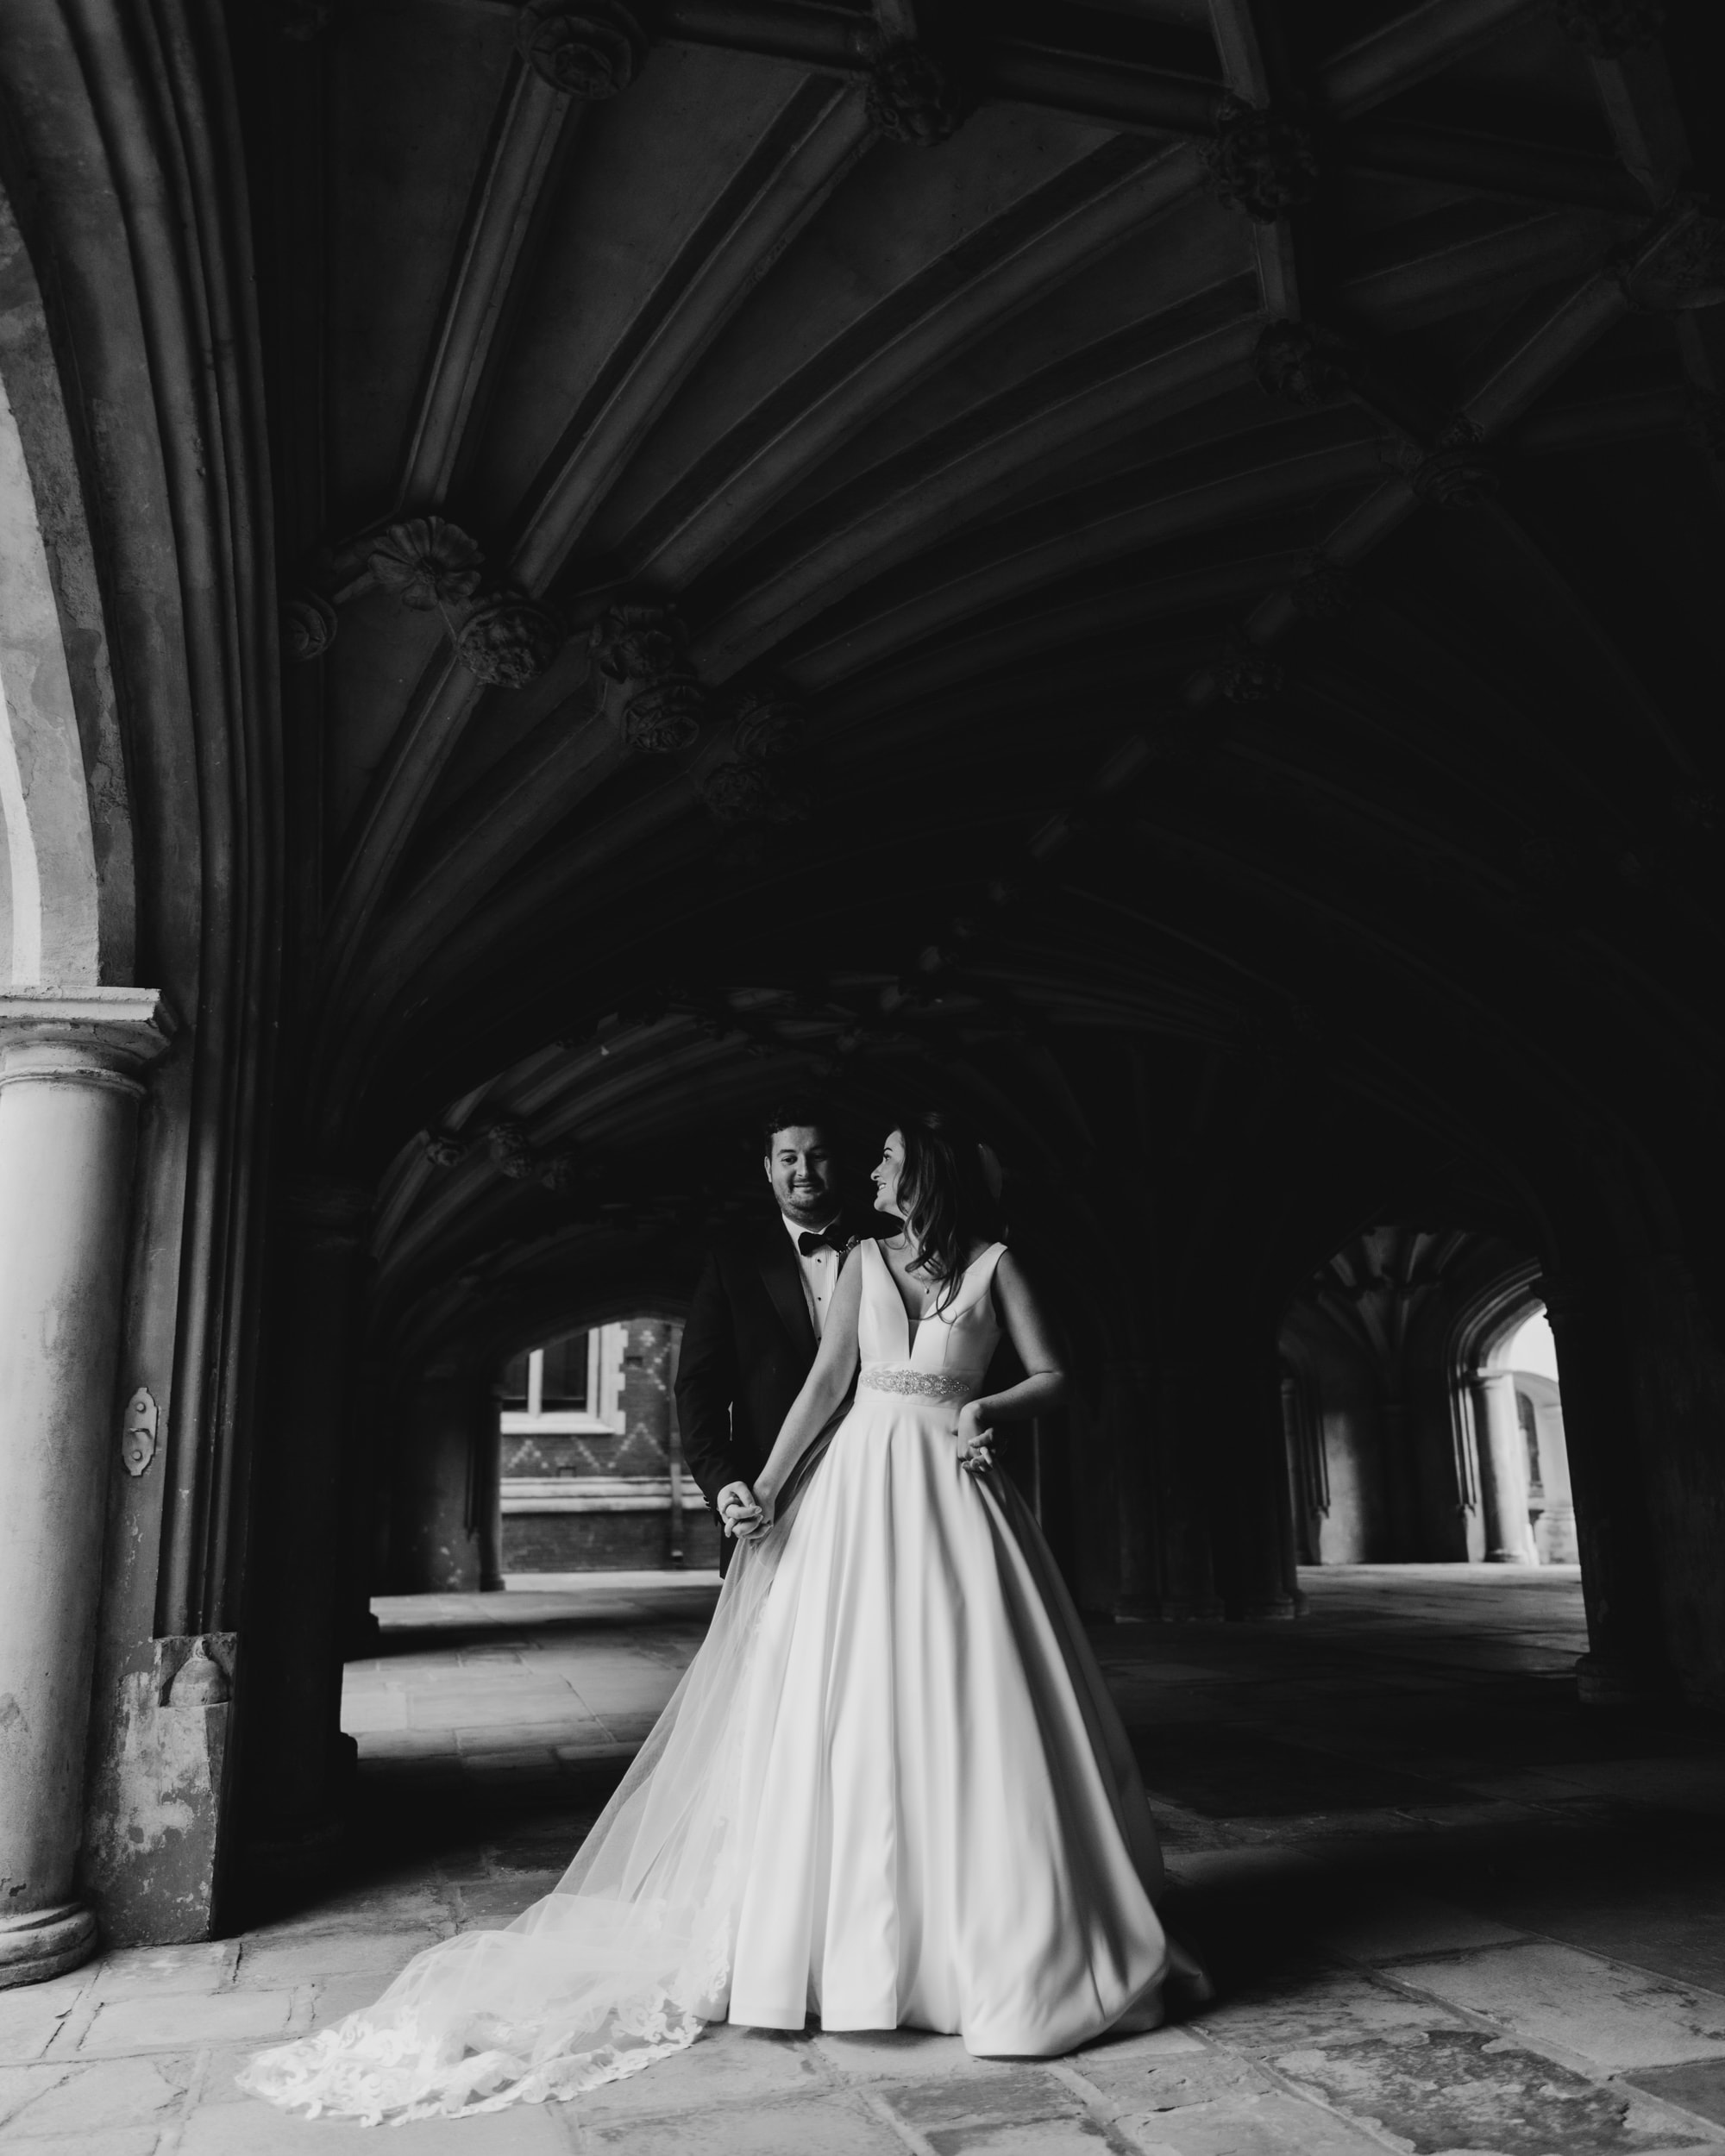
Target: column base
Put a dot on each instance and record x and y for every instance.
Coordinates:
(45, 1943)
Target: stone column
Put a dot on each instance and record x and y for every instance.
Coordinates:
(446, 1480)
(1625, 1665)
(298, 1765)
(1260, 1581)
(70, 1085)
(1502, 1470)
(488, 1493)
(1557, 1529)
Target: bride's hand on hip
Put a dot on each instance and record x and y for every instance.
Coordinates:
(975, 1441)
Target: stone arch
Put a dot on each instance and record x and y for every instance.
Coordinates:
(66, 869)
(1487, 1443)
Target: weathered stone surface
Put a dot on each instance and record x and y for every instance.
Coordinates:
(30, 2018)
(1142, 2087)
(1312, 2004)
(259, 2129)
(179, 2019)
(154, 1971)
(108, 2140)
(871, 2055)
(727, 2066)
(1011, 2096)
(1256, 2125)
(836, 2125)
(1699, 2087)
(1453, 2089)
(81, 2099)
(1038, 2137)
(1611, 2016)
(277, 1964)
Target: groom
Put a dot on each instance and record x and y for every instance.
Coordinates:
(757, 1314)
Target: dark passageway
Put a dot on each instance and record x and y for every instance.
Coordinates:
(571, 570)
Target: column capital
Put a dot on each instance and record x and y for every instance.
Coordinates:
(102, 1037)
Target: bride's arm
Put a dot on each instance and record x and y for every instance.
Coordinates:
(835, 1364)
(1042, 1388)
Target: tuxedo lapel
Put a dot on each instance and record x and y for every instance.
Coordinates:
(784, 1285)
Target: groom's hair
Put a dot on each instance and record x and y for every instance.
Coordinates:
(796, 1115)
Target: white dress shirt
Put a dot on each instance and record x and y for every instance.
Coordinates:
(819, 1270)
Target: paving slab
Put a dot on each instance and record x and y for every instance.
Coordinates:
(1042, 2137)
(1016, 2096)
(877, 2054)
(1313, 2005)
(839, 2124)
(256, 2128)
(1138, 2088)
(725, 2065)
(106, 2140)
(1466, 2088)
(76, 2098)
(1154, 2045)
(202, 1966)
(274, 1964)
(1698, 2088)
(1270, 2125)
(1613, 2016)
(31, 2016)
(177, 2018)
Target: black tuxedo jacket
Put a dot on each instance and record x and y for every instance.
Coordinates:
(748, 1345)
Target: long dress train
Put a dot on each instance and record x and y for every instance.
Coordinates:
(890, 1790)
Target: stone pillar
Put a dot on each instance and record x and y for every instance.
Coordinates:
(446, 1445)
(298, 1765)
(1502, 1470)
(1625, 1664)
(1261, 1580)
(70, 1086)
(488, 1492)
(1557, 1529)
(367, 1450)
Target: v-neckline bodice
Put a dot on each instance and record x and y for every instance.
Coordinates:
(913, 1325)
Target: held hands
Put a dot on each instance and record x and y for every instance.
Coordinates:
(975, 1441)
(742, 1512)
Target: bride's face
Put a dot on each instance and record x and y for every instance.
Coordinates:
(886, 1176)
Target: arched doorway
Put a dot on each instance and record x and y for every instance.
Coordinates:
(1423, 1408)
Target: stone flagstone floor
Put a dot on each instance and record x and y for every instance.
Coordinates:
(1447, 1910)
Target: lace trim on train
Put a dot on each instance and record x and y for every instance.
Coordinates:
(375, 2072)
(878, 1377)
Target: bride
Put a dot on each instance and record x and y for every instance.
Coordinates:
(891, 1789)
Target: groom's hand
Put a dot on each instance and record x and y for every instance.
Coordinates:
(737, 1509)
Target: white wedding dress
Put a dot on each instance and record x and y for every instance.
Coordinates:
(891, 1789)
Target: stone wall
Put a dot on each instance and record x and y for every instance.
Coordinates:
(600, 1497)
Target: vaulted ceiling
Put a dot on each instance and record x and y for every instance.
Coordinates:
(896, 546)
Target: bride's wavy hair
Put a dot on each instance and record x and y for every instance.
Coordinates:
(946, 1196)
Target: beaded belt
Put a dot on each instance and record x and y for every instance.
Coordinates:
(924, 1384)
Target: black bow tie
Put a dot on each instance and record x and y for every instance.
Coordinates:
(813, 1239)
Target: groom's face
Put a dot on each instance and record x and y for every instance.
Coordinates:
(804, 1174)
